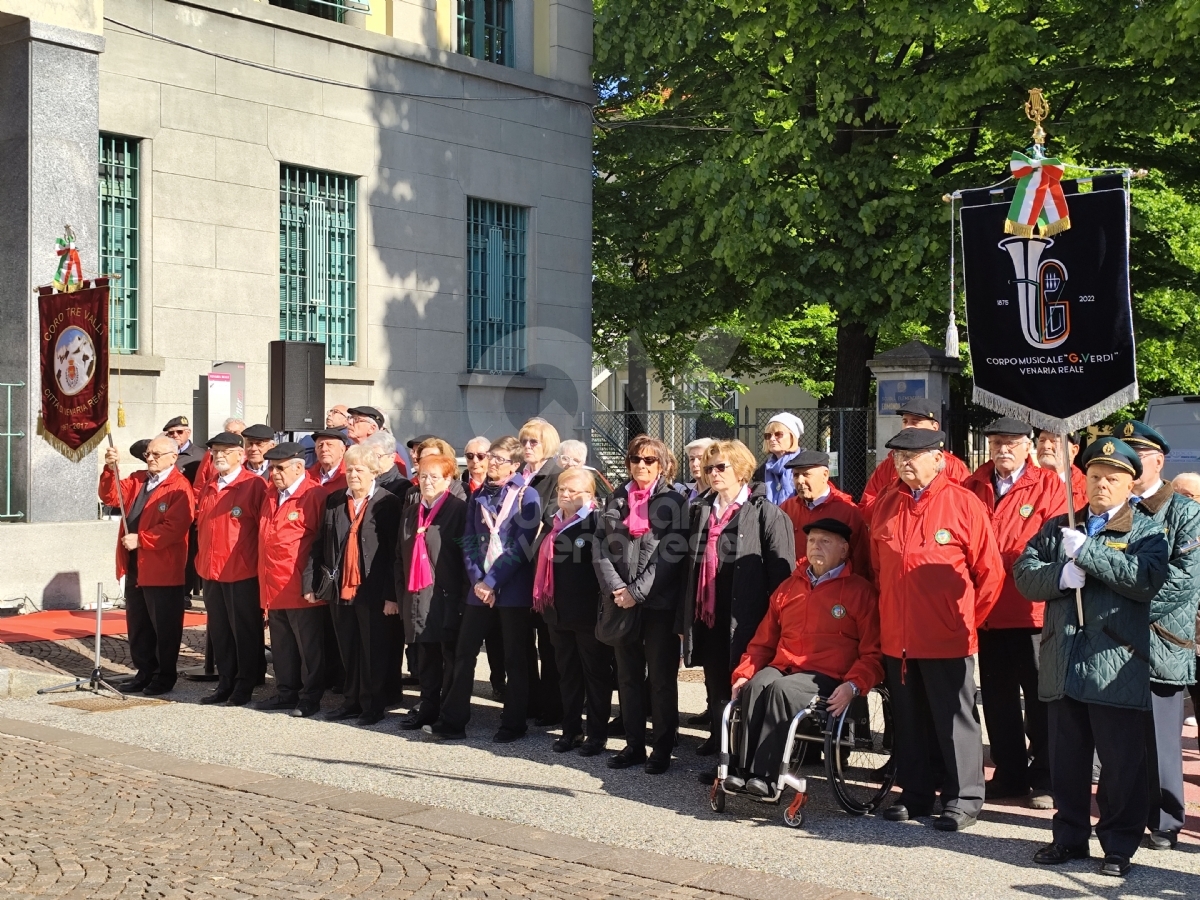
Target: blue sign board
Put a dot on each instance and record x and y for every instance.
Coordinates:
(894, 393)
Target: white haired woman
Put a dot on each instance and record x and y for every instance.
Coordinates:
(695, 458)
(781, 442)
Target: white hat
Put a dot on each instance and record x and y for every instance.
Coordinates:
(791, 422)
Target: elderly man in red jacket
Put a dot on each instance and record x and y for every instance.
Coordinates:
(820, 636)
(1049, 456)
(816, 498)
(227, 559)
(916, 413)
(287, 527)
(1019, 497)
(152, 555)
(939, 573)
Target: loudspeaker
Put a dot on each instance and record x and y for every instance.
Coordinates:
(297, 375)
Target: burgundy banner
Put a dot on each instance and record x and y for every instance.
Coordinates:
(74, 358)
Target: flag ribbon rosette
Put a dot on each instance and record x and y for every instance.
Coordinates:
(70, 272)
(1039, 198)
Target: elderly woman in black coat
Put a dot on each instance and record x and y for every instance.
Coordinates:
(742, 548)
(643, 546)
(431, 581)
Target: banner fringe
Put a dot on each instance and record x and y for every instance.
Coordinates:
(1055, 227)
(74, 454)
(1039, 420)
(1017, 228)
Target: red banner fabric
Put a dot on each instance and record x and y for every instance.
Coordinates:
(74, 366)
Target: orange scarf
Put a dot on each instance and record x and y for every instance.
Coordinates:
(351, 571)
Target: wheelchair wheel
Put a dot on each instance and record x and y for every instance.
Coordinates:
(858, 756)
(716, 798)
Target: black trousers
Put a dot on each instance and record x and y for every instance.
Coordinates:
(545, 701)
(584, 670)
(435, 670)
(393, 666)
(1008, 671)
(235, 632)
(477, 622)
(495, 655)
(298, 652)
(652, 657)
(769, 702)
(933, 703)
(1118, 736)
(143, 643)
(1164, 757)
(364, 643)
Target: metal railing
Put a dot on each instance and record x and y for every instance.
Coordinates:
(8, 434)
(847, 434)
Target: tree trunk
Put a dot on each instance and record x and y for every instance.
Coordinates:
(637, 394)
(852, 388)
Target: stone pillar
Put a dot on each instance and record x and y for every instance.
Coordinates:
(911, 370)
(49, 125)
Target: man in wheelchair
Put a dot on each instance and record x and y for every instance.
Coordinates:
(820, 637)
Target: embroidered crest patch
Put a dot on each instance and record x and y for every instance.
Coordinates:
(1026, 511)
(579, 542)
(162, 507)
(236, 511)
(293, 516)
(839, 611)
(942, 536)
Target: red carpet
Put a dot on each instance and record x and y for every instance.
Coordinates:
(60, 624)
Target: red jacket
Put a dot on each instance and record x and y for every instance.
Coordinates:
(885, 477)
(832, 629)
(336, 483)
(839, 506)
(1079, 488)
(285, 537)
(938, 569)
(227, 528)
(206, 473)
(1037, 496)
(162, 530)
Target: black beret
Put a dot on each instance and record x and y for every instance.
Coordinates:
(138, 449)
(922, 407)
(806, 459)
(917, 439)
(1005, 425)
(258, 433)
(1138, 434)
(1110, 451)
(332, 434)
(177, 422)
(226, 439)
(369, 411)
(286, 450)
(419, 439)
(833, 526)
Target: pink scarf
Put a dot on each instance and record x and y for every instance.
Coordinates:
(543, 579)
(420, 573)
(638, 521)
(706, 584)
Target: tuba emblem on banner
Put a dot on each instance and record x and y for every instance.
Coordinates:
(1045, 319)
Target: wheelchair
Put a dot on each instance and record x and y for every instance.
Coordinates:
(857, 749)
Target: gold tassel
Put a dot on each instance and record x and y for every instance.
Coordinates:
(1055, 227)
(1016, 228)
(120, 415)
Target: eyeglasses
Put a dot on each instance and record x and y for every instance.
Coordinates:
(775, 434)
(501, 460)
(431, 476)
(644, 460)
(903, 456)
(472, 457)
(221, 451)
(568, 493)
(281, 466)
(716, 467)
(358, 420)
(149, 456)
(529, 442)
(176, 431)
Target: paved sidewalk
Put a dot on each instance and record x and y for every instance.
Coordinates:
(88, 818)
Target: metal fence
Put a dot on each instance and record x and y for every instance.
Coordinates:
(847, 434)
(7, 435)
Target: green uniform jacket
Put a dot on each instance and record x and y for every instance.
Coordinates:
(1108, 661)
(1173, 609)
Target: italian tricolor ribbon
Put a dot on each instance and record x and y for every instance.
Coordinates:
(70, 272)
(1039, 198)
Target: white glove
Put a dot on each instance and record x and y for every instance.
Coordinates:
(1072, 577)
(1072, 541)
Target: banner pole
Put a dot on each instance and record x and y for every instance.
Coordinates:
(1065, 458)
(120, 499)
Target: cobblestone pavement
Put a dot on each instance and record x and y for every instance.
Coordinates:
(75, 656)
(71, 826)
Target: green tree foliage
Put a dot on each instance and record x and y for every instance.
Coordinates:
(768, 171)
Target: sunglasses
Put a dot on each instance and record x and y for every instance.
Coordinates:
(472, 457)
(716, 467)
(177, 431)
(774, 434)
(530, 442)
(644, 460)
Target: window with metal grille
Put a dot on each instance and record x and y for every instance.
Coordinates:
(318, 261)
(119, 238)
(495, 287)
(485, 30)
(325, 9)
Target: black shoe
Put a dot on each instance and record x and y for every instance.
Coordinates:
(507, 736)
(415, 720)
(154, 688)
(498, 691)
(275, 702)
(443, 732)
(137, 684)
(215, 697)
(758, 787)
(708, 746)
(707, 777)
(734, 783)
(999, 790)
(548, 721)
(410, 681)
(1115, 865)
(369, 718)
(238, 699)
(567, 742)
(901, 812)
(592, 748)
(1160, 840)
(343, 712)
(954, 820)
(304, 709)
(703, 719)
(1057, 854)
(627, 758)
(656, 765)
(616, 728)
